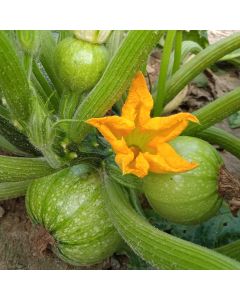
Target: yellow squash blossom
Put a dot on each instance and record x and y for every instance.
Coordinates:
(141, 142)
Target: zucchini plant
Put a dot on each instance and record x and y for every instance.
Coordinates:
(89, 145)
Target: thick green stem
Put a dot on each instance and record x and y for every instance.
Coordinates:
(117, 77)
(10, 190)
(200, 62)
(4, 113)
(129, 180)
(14, 169)
(232, 250)
(67, 107)
(6, 146)
(48, 45)
(134, 199)
(215, 112)
(177, 51)
(47, 88)
(68, 104)
(13, 81)
(158, 248)
(19, 140)
(161, 85)
(114, 41)
(28, 61)
(222, 138)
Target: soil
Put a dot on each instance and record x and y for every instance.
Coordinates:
(19, 238)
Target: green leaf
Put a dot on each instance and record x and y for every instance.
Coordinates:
(234, 120)
(219, 230)
(198, 36)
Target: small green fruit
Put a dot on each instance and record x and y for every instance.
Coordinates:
(191, 197)
(80, 64)
(70, 205)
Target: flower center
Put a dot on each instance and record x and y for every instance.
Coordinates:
(138, 139)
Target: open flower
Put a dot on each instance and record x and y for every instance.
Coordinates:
(141, 142)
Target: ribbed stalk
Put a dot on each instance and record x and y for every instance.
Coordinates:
(4, 113)
(177, 51)
(215, 111)
(6, 146)
(19, 140)
(28, 60)
(129, 180)
(13, 81)
(114, 41)
(49, 91)
(48, 45)
(161, 85)
(68, 104)
(128, 60)
(10, 190)
(222, 138)
(190, 47)
(200, 62)
(158, 248)
(232, 250)
(20, 169)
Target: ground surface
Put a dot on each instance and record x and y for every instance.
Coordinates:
(19, 238)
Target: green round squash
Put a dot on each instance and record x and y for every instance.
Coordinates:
(191, 197)
(80, 64)
(70, 205)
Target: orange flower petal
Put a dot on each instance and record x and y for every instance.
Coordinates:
(167, 161)
(138, 166)
(112, 128)
(139, 102)
(165, 129)
(124, 158)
